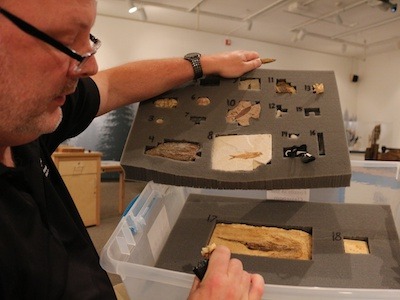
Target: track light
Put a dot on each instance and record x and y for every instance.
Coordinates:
(132, 7)
(142, 14)
(298, 35)
(338, 19)
(249, 25)
(386, 5)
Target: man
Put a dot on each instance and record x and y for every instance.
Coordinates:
(48, 93)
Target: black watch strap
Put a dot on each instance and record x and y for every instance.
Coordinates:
(194, 59)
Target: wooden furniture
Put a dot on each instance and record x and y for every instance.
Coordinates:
(80, 171)
(109, 166)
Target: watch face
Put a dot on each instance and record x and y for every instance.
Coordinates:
(192, 55)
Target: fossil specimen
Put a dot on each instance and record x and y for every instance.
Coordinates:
(246, 155)
(183, 151)
(207, 250)
(159, 121)
(318, 88)
(166, 103)
(267, 60)
(263, 241)
(242, 113)
(284, 87)
(249, 84)
(355, 246)
(233, 153)
(203, 101)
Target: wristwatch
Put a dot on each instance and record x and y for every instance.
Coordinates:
(194, 59)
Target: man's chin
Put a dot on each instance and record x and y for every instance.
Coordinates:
(58, 122)
(54, 125)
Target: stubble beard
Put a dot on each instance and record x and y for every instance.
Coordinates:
(23, 118)
(27, 107)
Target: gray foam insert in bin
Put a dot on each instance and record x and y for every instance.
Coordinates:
(328, 223)
(316, 119)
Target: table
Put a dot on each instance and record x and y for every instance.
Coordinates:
(109, 166)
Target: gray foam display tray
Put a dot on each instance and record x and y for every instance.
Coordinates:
(328, 224)
(315, 118)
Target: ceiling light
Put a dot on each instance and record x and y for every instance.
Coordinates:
(338, 19)
(132, 7)
(249, 24)
(142, 14)
(298, 35)
(386, 5)
(296, 7)
(293, 6)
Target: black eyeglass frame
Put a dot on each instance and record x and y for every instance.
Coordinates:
(33, 31)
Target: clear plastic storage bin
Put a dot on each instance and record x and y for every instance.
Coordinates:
(134, 247)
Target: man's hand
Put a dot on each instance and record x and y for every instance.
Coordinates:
(230, 64)
(226, 279)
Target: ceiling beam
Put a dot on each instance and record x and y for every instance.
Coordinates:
(196, 5)
(335, 12)
(264, 9)
(183, 9)
(327, 38)
(356, 30)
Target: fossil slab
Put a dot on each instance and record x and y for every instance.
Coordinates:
(263, 241)
(243, 112)
(183, 151)
(241, 152)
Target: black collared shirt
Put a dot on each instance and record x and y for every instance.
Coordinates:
(45, 250)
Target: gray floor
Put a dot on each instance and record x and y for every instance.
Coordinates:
(109, 216)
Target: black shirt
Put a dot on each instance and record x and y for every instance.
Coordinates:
(45, 250)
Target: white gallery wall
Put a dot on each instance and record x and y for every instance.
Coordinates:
(375, 98)
(378, 100)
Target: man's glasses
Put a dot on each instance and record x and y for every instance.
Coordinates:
(33, 31)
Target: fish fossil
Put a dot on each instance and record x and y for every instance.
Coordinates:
(263, 241)
(246, 155)
(243, 112)
(182, 151)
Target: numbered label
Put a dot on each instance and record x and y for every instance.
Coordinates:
(336, 236)
(231, 102)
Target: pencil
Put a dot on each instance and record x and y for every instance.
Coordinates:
(267, 60)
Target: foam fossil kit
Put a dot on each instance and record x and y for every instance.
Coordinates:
(269, 129)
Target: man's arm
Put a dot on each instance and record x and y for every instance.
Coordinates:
(142, 80)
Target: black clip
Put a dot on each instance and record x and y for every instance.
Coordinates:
(201, 268)
(299, 151)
